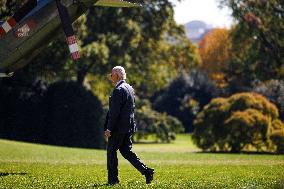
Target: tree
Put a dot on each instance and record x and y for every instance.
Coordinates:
(258, 40)
(185, 97)
(140, 39)
(215, 52)
(237, 123)
(143, 40)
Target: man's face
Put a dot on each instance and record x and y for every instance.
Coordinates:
(114, 77)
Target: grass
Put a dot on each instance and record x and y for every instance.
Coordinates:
(177, 165)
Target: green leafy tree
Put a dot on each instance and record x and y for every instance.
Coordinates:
(258, 40)
(144, 40)
(237, 123)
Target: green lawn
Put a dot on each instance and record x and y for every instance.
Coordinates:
(177, 165)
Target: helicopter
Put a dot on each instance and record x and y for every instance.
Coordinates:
(24, 35)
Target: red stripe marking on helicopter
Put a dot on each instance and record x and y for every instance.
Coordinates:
(7, 26)
(73, 47)
(71, 40)
(75, 55)
(12, 22)
(2, 32)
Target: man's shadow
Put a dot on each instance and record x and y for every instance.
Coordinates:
(98, 185)
(101, 185)
(4, 174)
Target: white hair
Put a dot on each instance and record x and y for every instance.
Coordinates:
(120, 71)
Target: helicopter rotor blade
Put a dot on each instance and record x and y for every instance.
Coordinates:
(68, 30)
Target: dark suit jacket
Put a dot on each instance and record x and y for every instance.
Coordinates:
(120, 117)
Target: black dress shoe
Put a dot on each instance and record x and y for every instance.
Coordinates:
(149, 175)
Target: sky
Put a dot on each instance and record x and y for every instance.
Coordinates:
(204, 10)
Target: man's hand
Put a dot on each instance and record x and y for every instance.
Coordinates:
(107, 133)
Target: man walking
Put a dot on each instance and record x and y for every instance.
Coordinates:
(120, 127)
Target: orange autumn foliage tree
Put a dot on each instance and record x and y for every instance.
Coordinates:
(214, 51)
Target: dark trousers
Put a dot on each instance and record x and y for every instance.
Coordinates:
(123, 143)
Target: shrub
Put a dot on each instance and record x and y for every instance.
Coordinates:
(277, 135)
(236, 123)
(246, 127)
(64, 113)
(20, 109)
(150, 122)
(72, 116)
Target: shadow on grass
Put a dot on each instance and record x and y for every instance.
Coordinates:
(99, 185)
(4, 174)
(106, 184)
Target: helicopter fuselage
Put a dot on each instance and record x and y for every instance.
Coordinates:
(26, 40)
